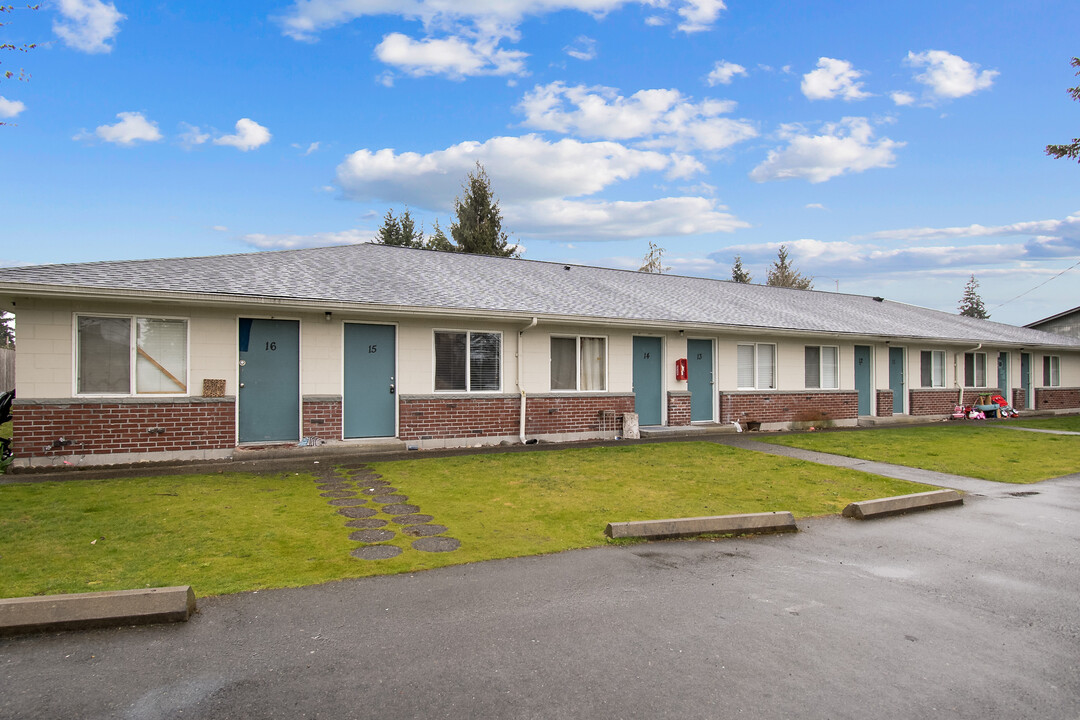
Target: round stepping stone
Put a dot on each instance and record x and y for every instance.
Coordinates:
(335, 486)
(414, 519)
(424, 530)
(366, 523)
(348, 502)
(436, 544)
(390, 499)
(376, 552)
(371, 536)
(356, 512)
(378, 489)
(400, 509)
(338, 494)
(366, 477)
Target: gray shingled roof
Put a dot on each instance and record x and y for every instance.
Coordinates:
(380, 275)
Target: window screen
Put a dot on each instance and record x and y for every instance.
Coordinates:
(563, 363)
(484, 358)
(746, 366)
(104, 355)
(160, 356)
(450, 361)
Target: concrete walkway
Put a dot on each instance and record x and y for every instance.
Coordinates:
(1037, 430)
(972, 486)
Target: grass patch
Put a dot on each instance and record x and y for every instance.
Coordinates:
(984, 452)
(1070, 423)
(226, 533)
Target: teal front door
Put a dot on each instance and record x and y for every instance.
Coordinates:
(862, 377)
(370, 401)
(1003, 375)
(1025, 380)
(896, 379)
(699, 366)
(269, 381)
(647, 380)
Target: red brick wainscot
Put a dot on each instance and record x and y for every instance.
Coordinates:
(322, 417)
(1057, 398)
(441, 417)
(884, 403)
(552, 414)
(55, 428)
(678, 407)
(1019, 399)
(776, 406)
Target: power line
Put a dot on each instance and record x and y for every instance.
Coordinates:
(1038, 286)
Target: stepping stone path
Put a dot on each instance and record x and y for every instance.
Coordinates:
(362, 495)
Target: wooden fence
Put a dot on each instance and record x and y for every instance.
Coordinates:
(7, 370)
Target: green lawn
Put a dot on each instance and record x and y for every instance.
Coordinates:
(986, 452)
(226, 533)
(1070, 423)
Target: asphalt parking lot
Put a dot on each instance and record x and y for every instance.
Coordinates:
(967, 612)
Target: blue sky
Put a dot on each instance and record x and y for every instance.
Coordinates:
(895, 148)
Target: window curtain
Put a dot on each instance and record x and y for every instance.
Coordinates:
(449, 361)
(830, 367)
(766, 366)
(484, 359)
(813, 366)
(104, 355)
(563, 363)
(160, 356)
(745, 377)
(592, 364)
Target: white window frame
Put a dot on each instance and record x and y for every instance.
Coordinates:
(821, 367)
(757, 380)
(577, 362)
(468, 360)
(133, 330)
(1052, 363)
(975, 367)
(935, 382)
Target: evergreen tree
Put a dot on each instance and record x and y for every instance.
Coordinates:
(1071, 150)
(400, 231)
(783, 274)
(740, 274)
(7, 330)
(653, 262)
(971, 305)
(438, 241)
(478, 228)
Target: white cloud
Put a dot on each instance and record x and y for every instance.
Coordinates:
(948, 75)
(192, 136)
(10, 108)
(833, 78)
(220, 228)
(323, 239)
(249, 135)
(522, 168)
(310, 148)
(306, 18)
(130, 129)
(698, 15)
(843, 147)
(902, 98)
(656, 118)
(724, 72)
(600, 220)
(454, 57)
(536, 182)
(583, 48)
(1043, 232)
(88, 25)
(814, 206)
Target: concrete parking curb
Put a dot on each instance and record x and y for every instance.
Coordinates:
(99, 609)
(770, 522)
(869, 509)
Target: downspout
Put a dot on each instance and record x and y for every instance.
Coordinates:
(521, 375)
(956, 374)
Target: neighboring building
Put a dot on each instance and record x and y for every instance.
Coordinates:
(194, 357)
(1065, 323)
